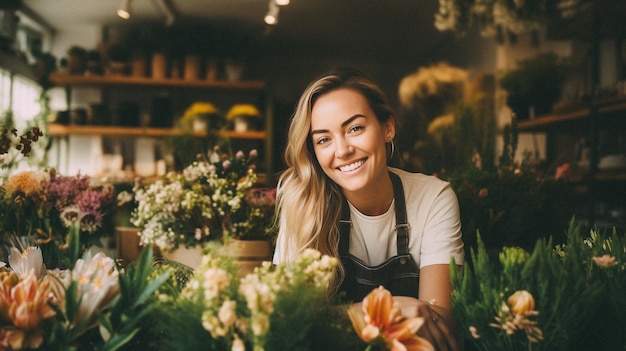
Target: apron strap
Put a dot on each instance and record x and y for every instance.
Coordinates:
(344, 228)
(402, 225)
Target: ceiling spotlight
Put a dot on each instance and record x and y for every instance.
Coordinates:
(272, 15)
(124, 10)
(282, 2)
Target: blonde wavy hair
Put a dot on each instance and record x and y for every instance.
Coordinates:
(308, 202)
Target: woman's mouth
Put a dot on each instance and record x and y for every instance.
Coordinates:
(352, 166)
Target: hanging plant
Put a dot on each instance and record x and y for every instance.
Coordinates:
(502, 19)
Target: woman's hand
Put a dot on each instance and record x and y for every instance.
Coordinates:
(438, 327)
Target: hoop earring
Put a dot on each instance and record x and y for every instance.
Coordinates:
(393, 149)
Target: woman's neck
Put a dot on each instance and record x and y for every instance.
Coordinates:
(375, 200)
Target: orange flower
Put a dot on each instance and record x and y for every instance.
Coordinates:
(521, 302)
(30, 302)
(380, 322)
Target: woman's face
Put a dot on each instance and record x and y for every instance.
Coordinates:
(348, 139)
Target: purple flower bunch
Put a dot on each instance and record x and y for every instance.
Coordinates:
(78, 201)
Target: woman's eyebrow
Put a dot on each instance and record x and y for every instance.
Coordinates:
(345, 123)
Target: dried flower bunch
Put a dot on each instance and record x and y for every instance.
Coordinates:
(207, 201)
(12, 144)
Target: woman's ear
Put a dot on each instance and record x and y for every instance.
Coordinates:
(390, 129)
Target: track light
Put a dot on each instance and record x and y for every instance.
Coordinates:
(124, 10)
(272, 14)
(282, 2)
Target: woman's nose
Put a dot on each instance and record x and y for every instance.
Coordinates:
(343, 148)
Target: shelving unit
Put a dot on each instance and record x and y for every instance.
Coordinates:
(601, 189)
(248, 91)
(60, 130)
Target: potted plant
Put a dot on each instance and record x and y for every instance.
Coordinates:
(244, 117)
(118, 55)
(536, 83)
(215, 199)
(76, 60)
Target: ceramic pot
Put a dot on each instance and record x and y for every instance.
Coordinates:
(189, 256)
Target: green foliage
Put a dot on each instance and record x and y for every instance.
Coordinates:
(538, 82)
(581, 305)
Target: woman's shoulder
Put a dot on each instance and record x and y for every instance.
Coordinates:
(410, 177)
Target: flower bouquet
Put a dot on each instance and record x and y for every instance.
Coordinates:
(40, 208)
(566, 297)
(91, 306)
(208, 200)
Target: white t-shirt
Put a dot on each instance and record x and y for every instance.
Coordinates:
(434, 219)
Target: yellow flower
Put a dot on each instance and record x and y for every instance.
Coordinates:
(237, 110)
(521, 302)
(380, 321)
(28, 183)
(200, 108)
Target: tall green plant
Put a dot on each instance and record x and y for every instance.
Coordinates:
(576, 289)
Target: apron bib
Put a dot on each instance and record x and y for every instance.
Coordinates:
(399, 274)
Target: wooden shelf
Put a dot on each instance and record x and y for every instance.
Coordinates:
(67, 80)
(542, 123)
(59, 130)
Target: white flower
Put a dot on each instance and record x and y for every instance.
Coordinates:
(24, 262)
(228, 313)
(97, 279)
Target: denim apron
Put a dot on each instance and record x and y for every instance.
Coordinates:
(399, 274)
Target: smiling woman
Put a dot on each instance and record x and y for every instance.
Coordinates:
(387, 227)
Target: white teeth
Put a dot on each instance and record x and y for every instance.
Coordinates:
(351, 167)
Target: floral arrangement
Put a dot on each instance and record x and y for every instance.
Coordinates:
(563, 297)
(90, 306)
(208, 200)
(40, 208)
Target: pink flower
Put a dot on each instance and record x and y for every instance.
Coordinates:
(380, 321)
(563, 171)
(605, 261)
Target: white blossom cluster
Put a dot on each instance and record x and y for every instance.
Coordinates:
(239, 309)
(192, 206)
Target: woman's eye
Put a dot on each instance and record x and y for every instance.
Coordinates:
(322, 140)
(355, 128)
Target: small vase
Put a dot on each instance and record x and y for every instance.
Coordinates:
(249, 254)
(159, 66)
(192, 67)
